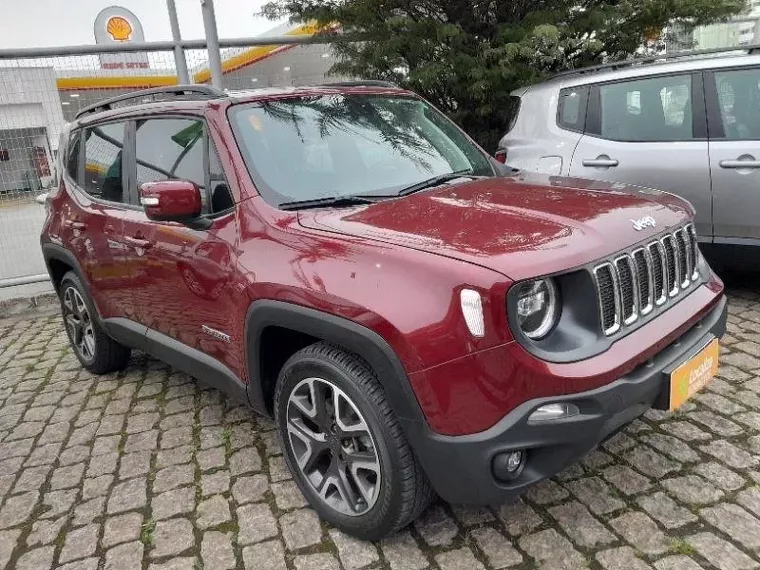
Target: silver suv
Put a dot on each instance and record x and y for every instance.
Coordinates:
(686, 125)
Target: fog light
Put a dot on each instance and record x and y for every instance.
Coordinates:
(551, 412)
(508, 465)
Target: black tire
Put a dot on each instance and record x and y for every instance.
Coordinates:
(404, 491)
(107, 355)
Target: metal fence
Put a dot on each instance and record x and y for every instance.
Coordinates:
(42, 89)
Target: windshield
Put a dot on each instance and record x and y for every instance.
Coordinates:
(330, 146)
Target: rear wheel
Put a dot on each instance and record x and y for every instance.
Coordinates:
(344, 445)
(96, 351)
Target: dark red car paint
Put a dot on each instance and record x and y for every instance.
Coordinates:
(396, 267)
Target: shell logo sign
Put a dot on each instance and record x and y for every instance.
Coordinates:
(119, 29)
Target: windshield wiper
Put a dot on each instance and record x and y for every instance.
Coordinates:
(435, 181)
(330, 201)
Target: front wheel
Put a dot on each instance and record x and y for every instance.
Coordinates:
(345, 446)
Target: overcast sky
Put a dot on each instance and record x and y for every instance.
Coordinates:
(41, 23)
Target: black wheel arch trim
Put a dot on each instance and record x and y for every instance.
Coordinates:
(52, 251)
(343, 332)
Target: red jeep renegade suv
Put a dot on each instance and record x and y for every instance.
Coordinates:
(416, 317)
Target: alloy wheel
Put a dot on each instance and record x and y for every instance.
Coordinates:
(333, 446)
(79, 324)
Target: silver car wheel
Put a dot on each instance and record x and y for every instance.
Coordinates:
(333, 446)
(79, 324)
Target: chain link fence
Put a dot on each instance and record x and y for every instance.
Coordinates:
(42, 90)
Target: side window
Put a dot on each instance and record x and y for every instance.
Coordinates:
(104, 147)
(170, 149)
(739, 103)
(571, 108)
(646, 110)
(220, 197)
(72, 158)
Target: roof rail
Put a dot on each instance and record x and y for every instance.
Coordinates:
(362, 83)
(187, 92)
(657, 59)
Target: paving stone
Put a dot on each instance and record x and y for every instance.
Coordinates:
(88, 511)
(172, 537)
(460, 559)
(519, 518)
(720, 553)
(435, 527)
(278, 469)
(735, 522)
(174, 456)
(42, 455)
(80, 543)
(679, 562)
(8, 539)
(546, 492)
(173, 477)
(300, 529)
(216, 551)
(642, 532)
(141, 422)
(31, 479)
(497, 548)
(209, 459)
(264, 556)
(596, 459)
(353, 553)
(37, 559)
(596, 495)
(122, 528)
(256, 523)
(67, 477)
(621, 559)
(245, 461)
(580, 525)
(729, 454)
(142, 441)
(672, 447)
(127, 496)
(720, 476)
(288, 495)
(692, 489)
(102, 464)
(666, 511)
(471, 516)
(212, 512)
(175, 437)
(134, 464)
(650, 462)
(215, 483)
(551, 550)
(750, 500)
(87, 564)
(96, 487)
(125, 557)
(174, 502)
(402, 552)
(106, 444)
(320, 561)
(18, 509)
(687, 431)
(44, 531)
(626, 479)
(249, 489)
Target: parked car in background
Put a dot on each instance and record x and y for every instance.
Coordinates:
(416, 318)
(688, 124)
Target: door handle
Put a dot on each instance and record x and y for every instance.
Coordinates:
(601, 162)
(138, 242)
(740, 164)
(75, 225)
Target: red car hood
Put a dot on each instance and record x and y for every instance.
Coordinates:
(523, 226)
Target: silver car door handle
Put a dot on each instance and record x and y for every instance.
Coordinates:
(601, 162)
(739, 164)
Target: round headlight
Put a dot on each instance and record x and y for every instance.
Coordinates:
(537, 307)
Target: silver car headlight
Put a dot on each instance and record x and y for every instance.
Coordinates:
(538, 307)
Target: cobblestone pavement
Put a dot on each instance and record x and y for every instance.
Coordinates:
(145, 470)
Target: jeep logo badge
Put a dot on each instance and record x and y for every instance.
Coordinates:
(641, 223)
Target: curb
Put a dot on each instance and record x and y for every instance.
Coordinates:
(36, 303)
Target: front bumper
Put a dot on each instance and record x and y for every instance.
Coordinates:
(461, 469)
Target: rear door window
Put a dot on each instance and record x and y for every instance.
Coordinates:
(656, 109)
(512, 111)
(72, 156)
(739, 104)
(103, 155)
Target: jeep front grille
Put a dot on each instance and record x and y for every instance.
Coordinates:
(635, 283)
